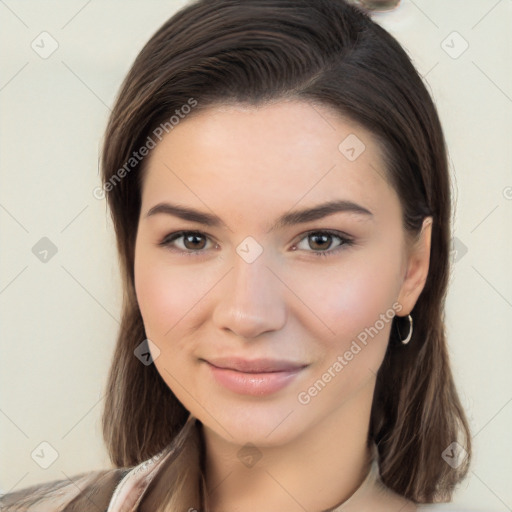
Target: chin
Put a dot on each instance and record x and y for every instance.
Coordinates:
(260, 423)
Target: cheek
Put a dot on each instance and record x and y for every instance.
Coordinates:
(355, 299)
(359, 309)
(354, 295)
(163, 296)
(360, 299)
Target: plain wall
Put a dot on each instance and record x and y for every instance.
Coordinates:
(59, 318)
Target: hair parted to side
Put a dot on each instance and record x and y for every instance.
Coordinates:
(330, 53)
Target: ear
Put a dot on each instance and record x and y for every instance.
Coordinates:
(418, 260)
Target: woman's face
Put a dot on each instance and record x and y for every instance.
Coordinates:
(266, 312)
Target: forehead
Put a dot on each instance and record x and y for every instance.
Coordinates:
(267, 158)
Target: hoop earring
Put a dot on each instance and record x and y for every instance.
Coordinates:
(409, 336)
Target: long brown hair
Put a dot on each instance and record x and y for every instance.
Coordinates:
(330, 53)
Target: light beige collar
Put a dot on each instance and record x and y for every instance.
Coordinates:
(370, 495)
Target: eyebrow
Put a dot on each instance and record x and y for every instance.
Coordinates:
(288, 219)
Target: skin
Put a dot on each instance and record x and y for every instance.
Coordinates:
(287, 304)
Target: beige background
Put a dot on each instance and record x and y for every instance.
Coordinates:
(59, 318)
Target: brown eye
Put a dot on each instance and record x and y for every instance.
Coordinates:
(194, 241)
(320, 243)
(187, 242)
(320, 240)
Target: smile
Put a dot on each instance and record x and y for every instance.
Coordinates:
(256, 378)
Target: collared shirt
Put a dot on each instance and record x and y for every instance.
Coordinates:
(131, 488)
(372, 492)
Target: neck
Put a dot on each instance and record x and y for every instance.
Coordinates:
(320, 468)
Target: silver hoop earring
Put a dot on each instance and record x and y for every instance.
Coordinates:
(409, 336)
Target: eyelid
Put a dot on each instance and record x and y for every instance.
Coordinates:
(333, 232)
(347, 240)
(176, 235)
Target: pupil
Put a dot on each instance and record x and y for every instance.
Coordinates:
(192, 239)
(325, 239)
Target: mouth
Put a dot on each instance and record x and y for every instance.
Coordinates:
(255, 365)
(257, 377)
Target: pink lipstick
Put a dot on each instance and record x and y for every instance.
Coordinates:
(257, 377)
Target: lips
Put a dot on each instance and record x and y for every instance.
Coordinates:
(255, 377)
(255, 365)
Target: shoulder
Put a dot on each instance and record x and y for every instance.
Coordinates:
(67, 495)
(446, 507)
(387, 499)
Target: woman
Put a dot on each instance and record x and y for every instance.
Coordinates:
(249, 373)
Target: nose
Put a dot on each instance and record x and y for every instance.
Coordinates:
(250, 300)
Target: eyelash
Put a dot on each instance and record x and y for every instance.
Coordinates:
(345, 242)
